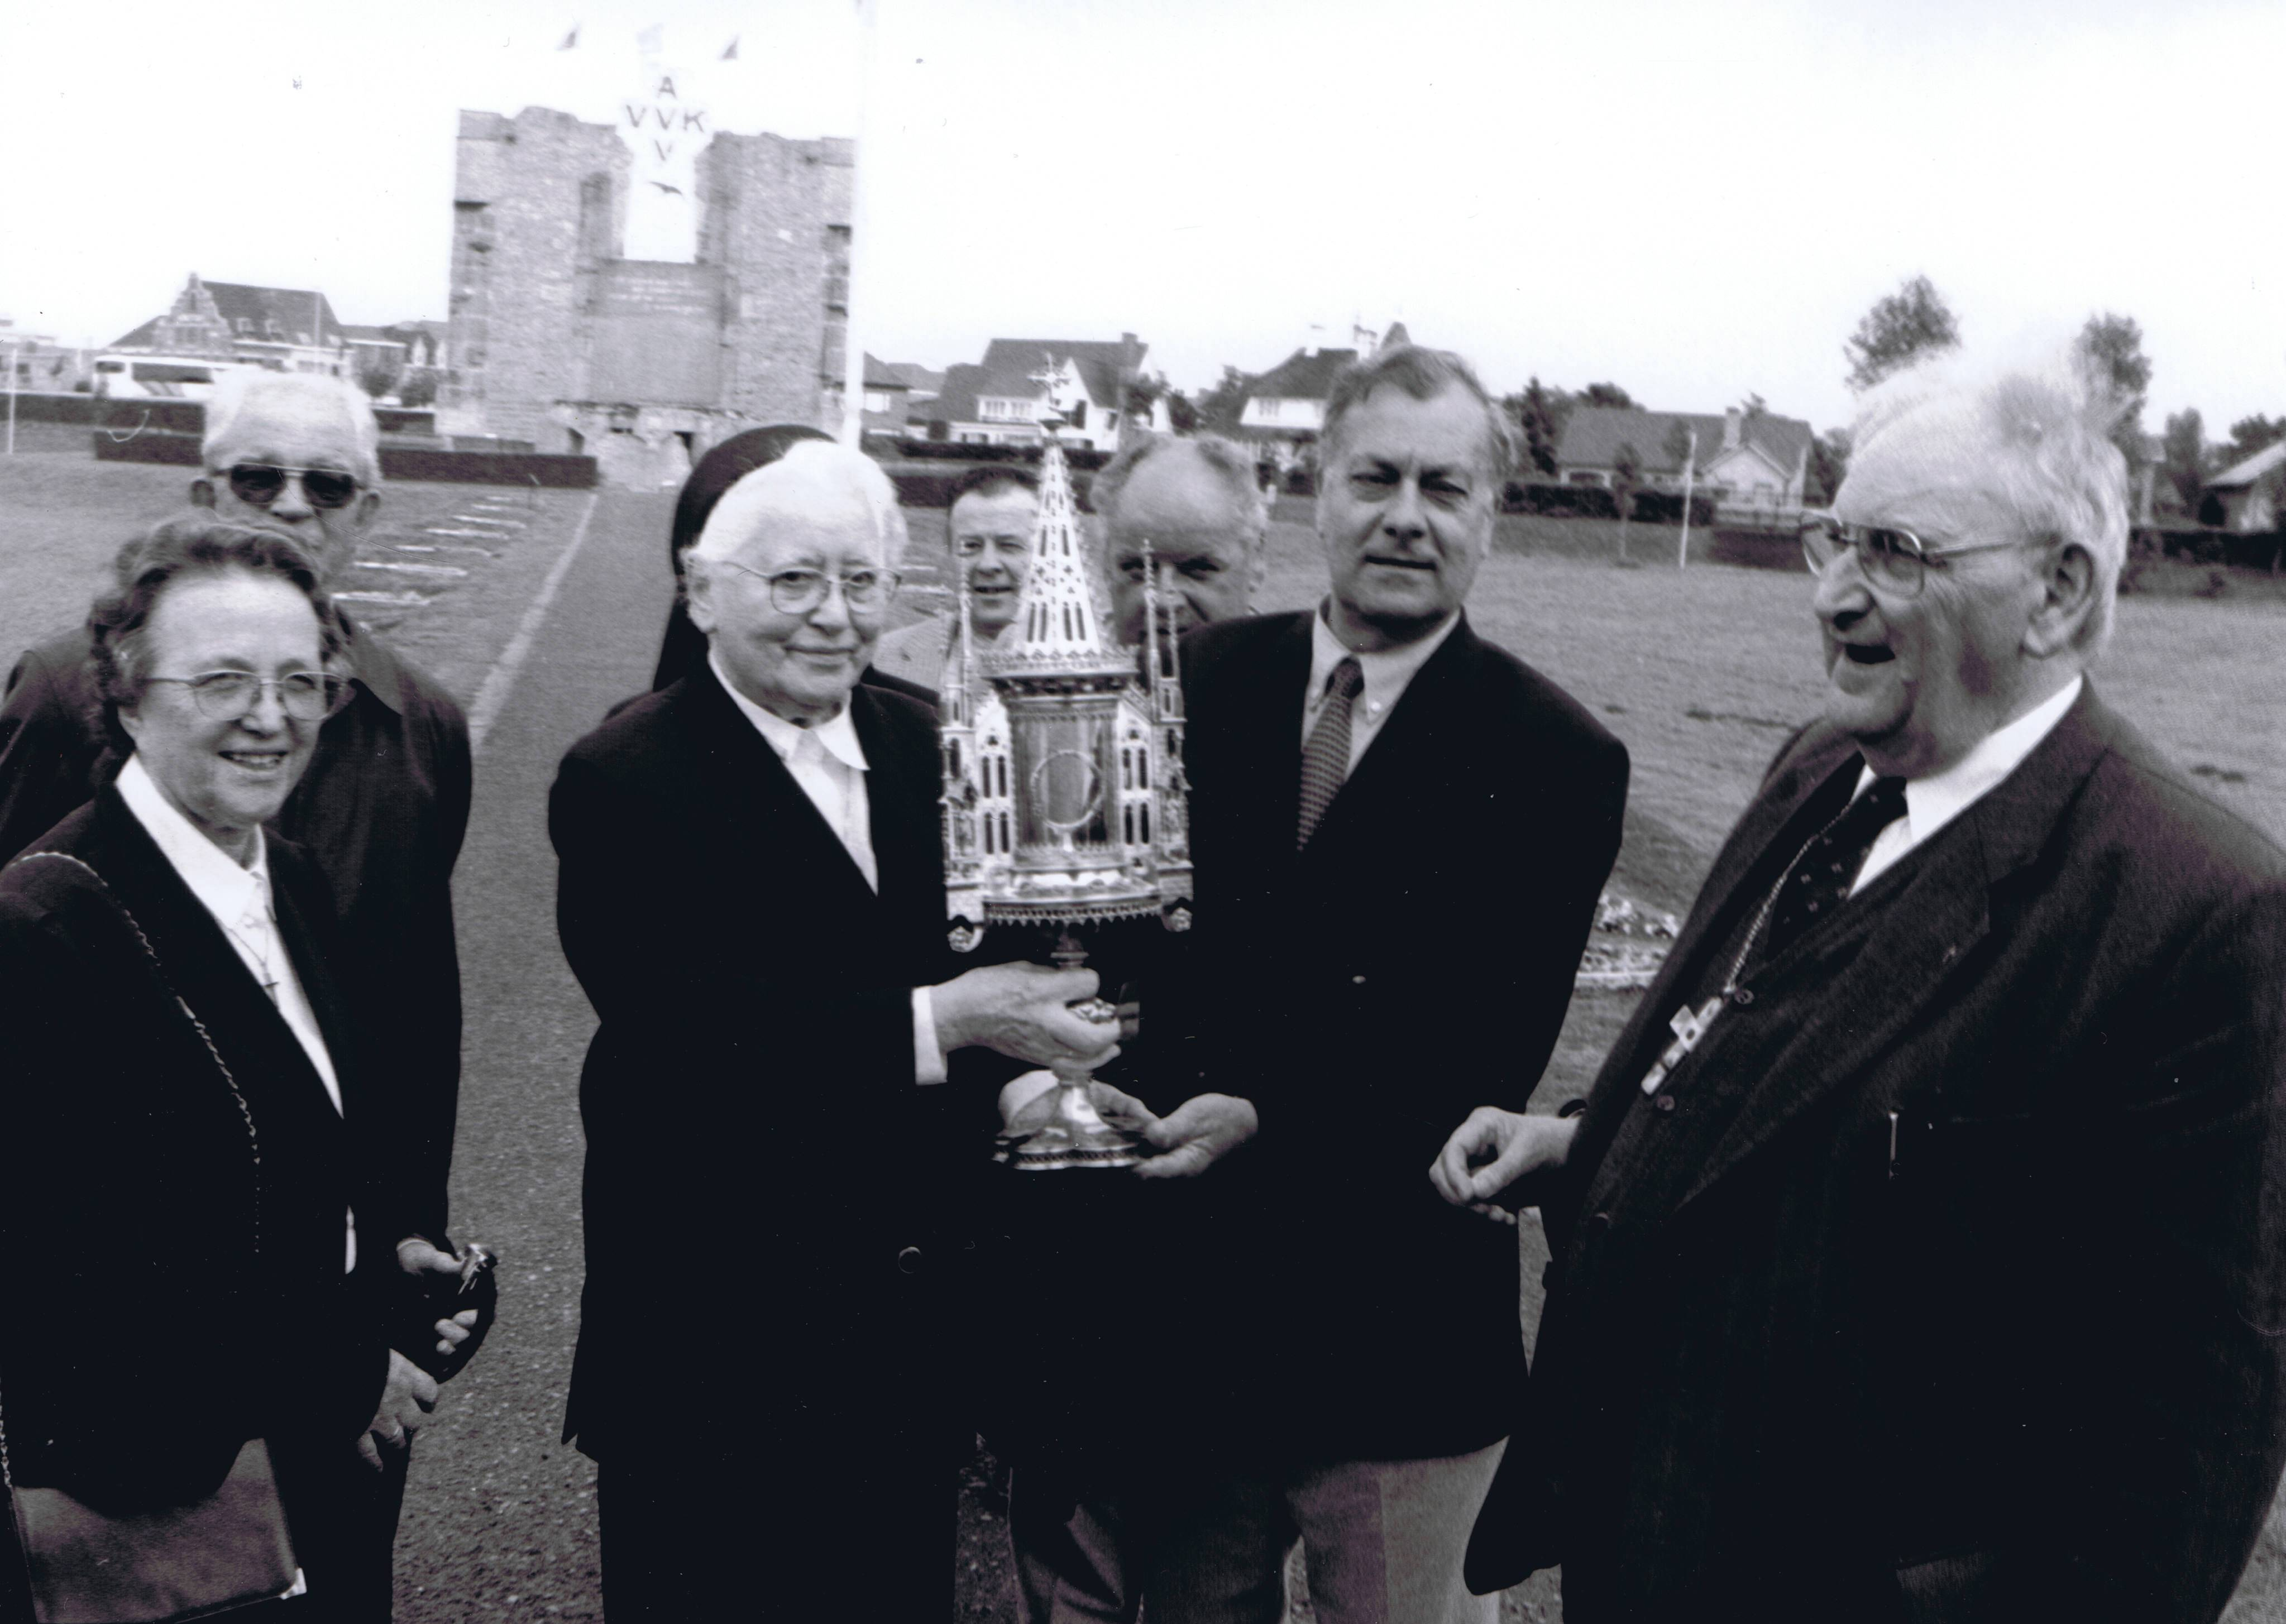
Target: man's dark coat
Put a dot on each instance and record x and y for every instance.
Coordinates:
(380, 811)
(1949, 1280)
(776, 1214)
(175, 1235)
(1413, 963)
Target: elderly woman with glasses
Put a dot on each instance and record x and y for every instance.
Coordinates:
(780, 1133)
(201, 1232)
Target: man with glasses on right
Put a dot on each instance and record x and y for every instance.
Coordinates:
(1921, 1253)
(380, 811)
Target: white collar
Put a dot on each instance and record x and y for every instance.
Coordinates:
(214, 877)
(1934, 802)
(1386, 671)
(839, 737)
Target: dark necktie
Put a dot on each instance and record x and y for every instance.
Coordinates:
(1326, 758)
(1820, 880)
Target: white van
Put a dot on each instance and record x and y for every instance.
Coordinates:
(165, 377)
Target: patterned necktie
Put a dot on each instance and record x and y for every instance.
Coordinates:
(1822, 876)
(1326, 758)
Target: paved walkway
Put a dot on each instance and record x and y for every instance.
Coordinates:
(500, 1518)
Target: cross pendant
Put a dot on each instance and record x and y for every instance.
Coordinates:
(1689, 1025)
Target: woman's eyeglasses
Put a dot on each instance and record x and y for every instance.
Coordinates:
(264, 483)
(225, 696)
(796, 592)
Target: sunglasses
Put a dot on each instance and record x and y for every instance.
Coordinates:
(262, 482)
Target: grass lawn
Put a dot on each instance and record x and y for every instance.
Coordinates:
(63, 515)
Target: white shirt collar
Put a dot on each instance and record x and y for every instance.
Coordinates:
(1934, 802)
(225, 889)
(1386, 671)
(839, 737)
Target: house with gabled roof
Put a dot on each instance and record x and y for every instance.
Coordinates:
(893, 388)
(2248, 498)
(1285, 408)
(288, 329)
(1749, 460)
(1002, 399)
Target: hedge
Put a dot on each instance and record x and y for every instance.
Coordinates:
(928, 487)
(406, 462)
(884, 446)
(125, 412)
(1596, 501)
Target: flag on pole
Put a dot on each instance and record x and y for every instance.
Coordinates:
(571, 39)
(730, 51)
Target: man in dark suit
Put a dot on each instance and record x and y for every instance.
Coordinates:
(1401, 833)
(385, 802)
(780, 1153)
(1921, 1253)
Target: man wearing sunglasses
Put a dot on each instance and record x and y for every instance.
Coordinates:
(382, 808)
(1918, 1254)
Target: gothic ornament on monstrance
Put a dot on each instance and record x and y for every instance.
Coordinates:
(1063, 789)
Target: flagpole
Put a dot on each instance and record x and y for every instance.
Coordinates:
(1690, 467)
(860, 238)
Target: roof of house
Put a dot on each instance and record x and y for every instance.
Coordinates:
(1592, 435)
(1303, 375)
(1009, 363)
(360, 334)
(919, 379)
(2251, 468)
(280, 314)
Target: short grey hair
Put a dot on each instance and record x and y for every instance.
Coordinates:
(1224, 461)
(1423, 373)
(822, 466)
(321, 393)
(2030, 438)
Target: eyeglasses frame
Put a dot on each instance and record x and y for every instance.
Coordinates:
(1921, 553)
(337, 689)
(834, 583)
(356, 485)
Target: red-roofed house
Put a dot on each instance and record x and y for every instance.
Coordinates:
(1749, 463)
(1001, 400)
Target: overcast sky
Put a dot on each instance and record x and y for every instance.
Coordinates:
(1694, 199)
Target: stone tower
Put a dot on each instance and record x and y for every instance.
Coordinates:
(565, 343)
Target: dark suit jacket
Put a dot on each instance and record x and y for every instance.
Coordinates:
(381, 811)
(2030, 1362)
(174, 1236)
(1413, 963)
(775, 1211)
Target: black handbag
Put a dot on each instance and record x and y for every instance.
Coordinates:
(228, 1550)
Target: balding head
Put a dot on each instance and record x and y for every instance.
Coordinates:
(1196, 504)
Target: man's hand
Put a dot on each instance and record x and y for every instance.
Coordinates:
(1023, 1011)
(414, 1255)
(1493, 1149)
(1190, 1138)
(405, 1401)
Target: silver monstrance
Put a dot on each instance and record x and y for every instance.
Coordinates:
(1063, 789)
